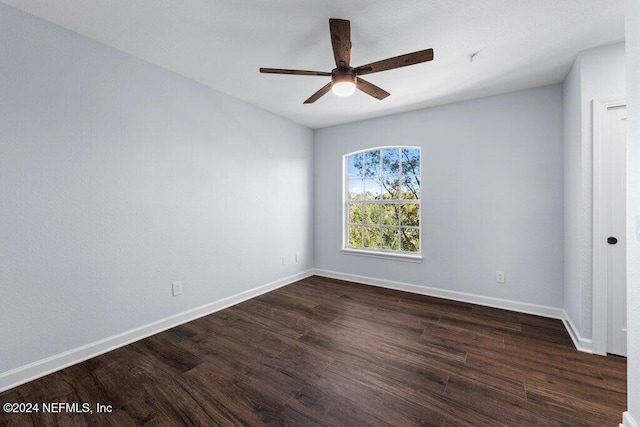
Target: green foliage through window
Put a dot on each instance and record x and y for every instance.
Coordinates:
(383, 199)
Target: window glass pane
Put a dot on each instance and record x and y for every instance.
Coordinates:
(372, 163)
(356, 189)
(355, 236)
(410, 161)
(390, 161)
(355, 213)
(390, 238)
(355, 165)
(371, 213)
(410, 188)
(390, 187)
(410, 239)
(408, 192)
(390, 214)
(410, 214)
(371, 189)
(371, 237)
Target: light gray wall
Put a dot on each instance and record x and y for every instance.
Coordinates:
(633, 207)
(576, 250)
(596, 74)
(493, 200)
(117, 178)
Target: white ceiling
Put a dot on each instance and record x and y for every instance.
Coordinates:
(223, 43)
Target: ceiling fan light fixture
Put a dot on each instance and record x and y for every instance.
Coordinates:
(343, 85)
(343, 88)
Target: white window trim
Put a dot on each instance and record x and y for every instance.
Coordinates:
(397, 256)
(415, 257)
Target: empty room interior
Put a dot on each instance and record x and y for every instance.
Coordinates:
(320, 213)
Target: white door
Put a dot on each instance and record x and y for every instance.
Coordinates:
(615, 139)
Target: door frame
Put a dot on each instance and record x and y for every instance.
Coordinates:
(600, 218)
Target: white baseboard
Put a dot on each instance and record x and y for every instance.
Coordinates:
(43, 367)
(581, 344)
(628, 421)
(540, 310)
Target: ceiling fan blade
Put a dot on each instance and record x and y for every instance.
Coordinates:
(396, 62)
(371, 89)
(297, 72)
(313, 98)
(341, 41)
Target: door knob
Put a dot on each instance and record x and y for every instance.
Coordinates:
(612, 240)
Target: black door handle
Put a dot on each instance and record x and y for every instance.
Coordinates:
(612, 240)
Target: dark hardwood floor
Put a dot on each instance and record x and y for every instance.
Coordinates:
(327, 352)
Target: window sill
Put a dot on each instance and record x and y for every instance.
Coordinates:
(383, 255)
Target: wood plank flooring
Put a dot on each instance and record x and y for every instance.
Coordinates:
(334, 353)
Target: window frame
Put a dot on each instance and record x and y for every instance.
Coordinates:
(394, 254)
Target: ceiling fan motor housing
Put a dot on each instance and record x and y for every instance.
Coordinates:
(343, 75)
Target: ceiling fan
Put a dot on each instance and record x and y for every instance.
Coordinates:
(345, 79)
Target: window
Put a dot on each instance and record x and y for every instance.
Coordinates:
(382, 201)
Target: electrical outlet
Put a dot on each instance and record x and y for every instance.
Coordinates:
(284, 260)
(176, 288)
(499, 276)
(298, 257)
